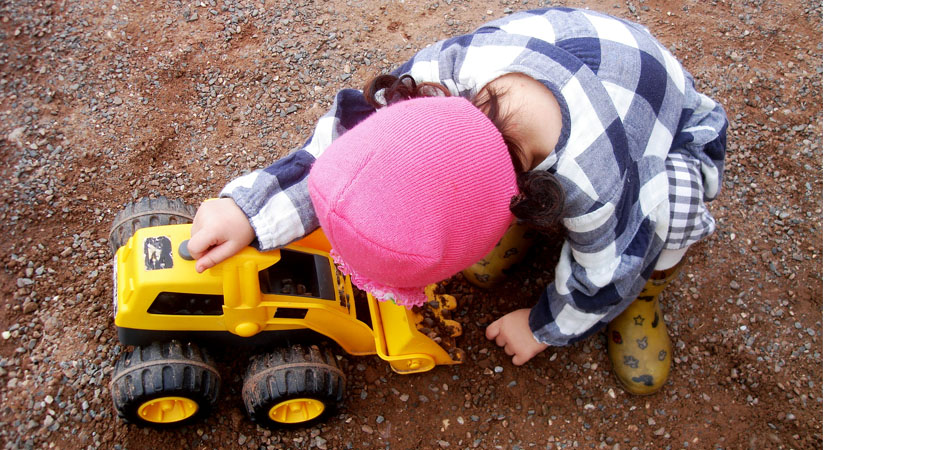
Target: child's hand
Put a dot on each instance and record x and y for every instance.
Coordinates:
(220, 230)
(513, 334)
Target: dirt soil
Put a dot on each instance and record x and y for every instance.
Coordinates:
(105, 102)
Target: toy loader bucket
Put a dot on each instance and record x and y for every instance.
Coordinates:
(416, 340)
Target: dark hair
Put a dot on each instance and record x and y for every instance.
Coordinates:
(541, 198)
(394, 89)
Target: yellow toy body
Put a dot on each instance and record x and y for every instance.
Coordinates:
(159, 295)
(283, 304)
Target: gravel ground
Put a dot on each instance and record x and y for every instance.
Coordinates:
(105, 102)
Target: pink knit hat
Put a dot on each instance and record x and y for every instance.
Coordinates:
(413, 194)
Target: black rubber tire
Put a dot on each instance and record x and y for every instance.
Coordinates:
(297, 372)
(161, 370)
(147, 212)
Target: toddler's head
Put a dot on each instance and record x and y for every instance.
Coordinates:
(415, 193)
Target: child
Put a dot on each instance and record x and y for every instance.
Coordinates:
(554, 117)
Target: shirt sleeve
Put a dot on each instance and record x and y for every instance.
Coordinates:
(591, 283)
(275, 198)
(704, 137)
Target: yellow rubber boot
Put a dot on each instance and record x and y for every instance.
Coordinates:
(511, 248)
(638, 342)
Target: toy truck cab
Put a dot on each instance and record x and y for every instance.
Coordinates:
(294, 294)
(160, 295)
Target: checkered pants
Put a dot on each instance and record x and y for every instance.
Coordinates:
(689, 220)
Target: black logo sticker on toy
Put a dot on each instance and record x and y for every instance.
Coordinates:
(158, 253)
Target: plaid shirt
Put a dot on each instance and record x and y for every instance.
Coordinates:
(626, 102)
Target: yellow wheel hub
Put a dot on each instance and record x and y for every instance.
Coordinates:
(296, 410)
(167, 409)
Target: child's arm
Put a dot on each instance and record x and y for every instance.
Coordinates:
(597, 276)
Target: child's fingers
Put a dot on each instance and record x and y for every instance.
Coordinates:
(510, 350)
(216, 255)
(199, 243)
(519, 359)
(493, 330)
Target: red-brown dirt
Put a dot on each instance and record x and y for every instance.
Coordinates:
(105, 102)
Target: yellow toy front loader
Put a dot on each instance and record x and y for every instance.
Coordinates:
(292, 303)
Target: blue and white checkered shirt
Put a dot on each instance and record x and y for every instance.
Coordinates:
(626, 103)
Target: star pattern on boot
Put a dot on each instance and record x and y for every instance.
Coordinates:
(638, 320)
(631, 361)
(511, 252)
(642, 343)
